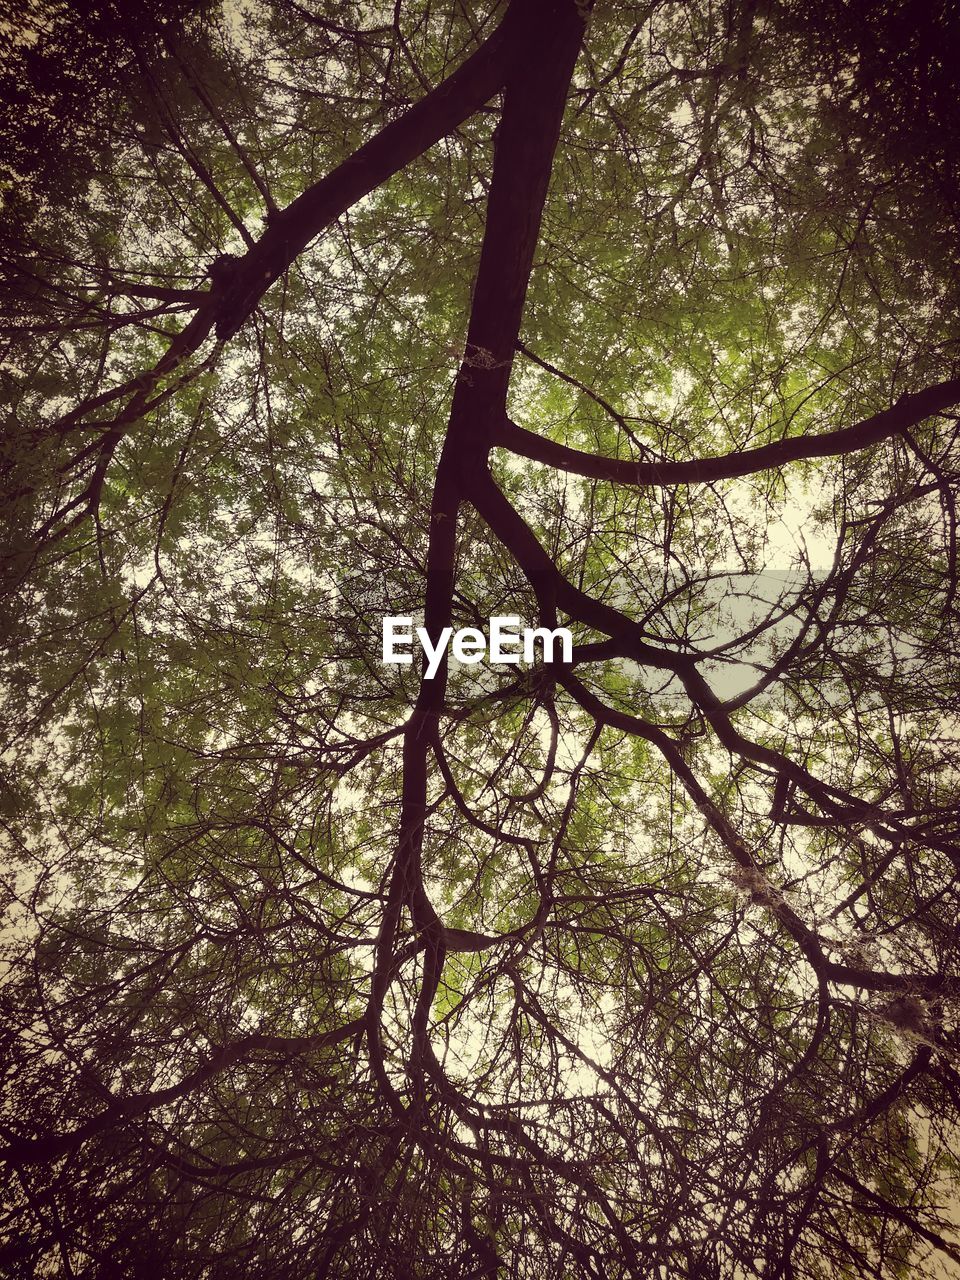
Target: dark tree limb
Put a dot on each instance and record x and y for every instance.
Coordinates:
(908, 412)
(534, 101)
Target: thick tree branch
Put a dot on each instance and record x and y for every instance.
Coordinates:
(240, 283)
(530, 127)
(908, 412)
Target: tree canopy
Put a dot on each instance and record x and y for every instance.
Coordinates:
(638, 319)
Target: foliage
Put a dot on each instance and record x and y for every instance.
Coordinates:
(640, 321)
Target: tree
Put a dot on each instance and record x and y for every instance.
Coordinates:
(639, 321)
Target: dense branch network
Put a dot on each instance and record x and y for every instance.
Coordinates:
(570, 980)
